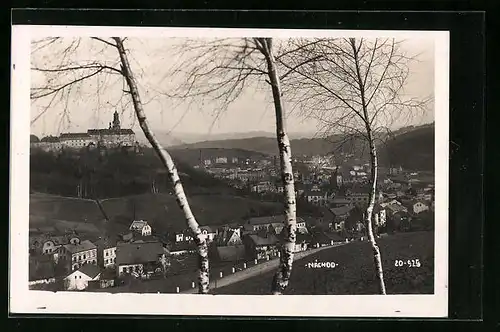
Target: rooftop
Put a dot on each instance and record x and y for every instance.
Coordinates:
(90, 270)
(73, 135)
(83, 246)
(138, 224)
(270, 220)
(342, 210)
(110, 132)
(136, 253)
(270, 239)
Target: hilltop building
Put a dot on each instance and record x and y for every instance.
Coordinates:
(112, 137)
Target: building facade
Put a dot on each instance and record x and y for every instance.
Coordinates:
(78, 255)
(112, 137)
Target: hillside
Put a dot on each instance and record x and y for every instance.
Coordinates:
(50, 213)
(162, 211)
(57, 214)
(192, 156)
(355, 272)
(412, 147)
(123, 182)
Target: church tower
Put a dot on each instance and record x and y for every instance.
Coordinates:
(116, 121)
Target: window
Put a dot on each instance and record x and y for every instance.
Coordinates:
(75, 277)
(84, 256)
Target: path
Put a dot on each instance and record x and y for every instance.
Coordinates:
(256, 270)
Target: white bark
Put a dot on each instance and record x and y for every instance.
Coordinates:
(373, 177)
(166, 159)
(282, 277)
(369, 217)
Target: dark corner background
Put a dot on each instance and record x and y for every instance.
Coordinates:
(467, 121)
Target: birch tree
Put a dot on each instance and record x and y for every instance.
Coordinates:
(221, 70)
(68, 75)
(355, 88)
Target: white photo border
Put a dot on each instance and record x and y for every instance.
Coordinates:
(23, 300)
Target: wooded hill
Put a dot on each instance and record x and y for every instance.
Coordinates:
(411, 147)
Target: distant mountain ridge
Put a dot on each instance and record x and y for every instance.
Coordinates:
(412, 145)
(169, 139)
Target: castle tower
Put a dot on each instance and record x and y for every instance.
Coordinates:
(116, 121)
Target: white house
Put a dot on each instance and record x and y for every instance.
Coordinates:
(419, 207)
(185, 236)
(109, 256)
(316, 196)
(79, 279)
(208, 232)
(141, 226)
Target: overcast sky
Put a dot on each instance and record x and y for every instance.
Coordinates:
(150, 58)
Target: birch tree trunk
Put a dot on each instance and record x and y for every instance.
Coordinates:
(369, 214)
(282, 277)
(166, 159)
(373, 176)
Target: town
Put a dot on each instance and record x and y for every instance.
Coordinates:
(334, 188)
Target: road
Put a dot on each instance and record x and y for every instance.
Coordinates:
(254, 270)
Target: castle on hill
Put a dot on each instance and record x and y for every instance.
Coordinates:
(112, 137)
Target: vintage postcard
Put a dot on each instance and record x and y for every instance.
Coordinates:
(229, 172)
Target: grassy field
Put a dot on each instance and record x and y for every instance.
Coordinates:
(162, 211)
(49, 213)
(58, 214)
(355, 272)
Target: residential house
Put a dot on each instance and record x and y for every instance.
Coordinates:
(416, 206)
(302, 242)
(316, 195)
(358, 195)
(263, 186)
(272, 222)
(141, 226)
(258, 246)
(182, 248)
(79, 279)
(208, 233)
(143, 259)
(379, 216)
(106, 280)
(341, 214)
(339, 201)
(355, 220)
(106, 252)
(393, 207)
(53, 243)
(221, 160)
(323, 239)
(184, 236)
(228, 237)
(77, 255)
(228, 245)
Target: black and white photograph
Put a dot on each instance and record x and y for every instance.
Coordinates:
(164, 164)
